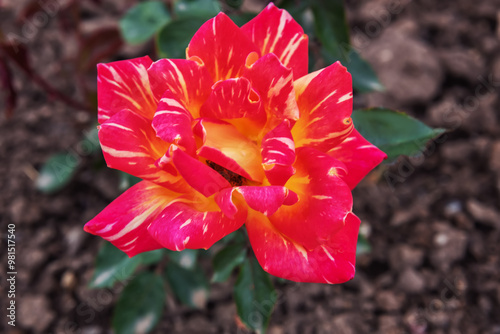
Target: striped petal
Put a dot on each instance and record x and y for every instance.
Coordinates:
(278, 154)
(189, 81)
(193, 223)
(266, 199)
(124, 222)
(325, 103)
(275, 31)
(331, 262)
(274, 83)
(130, 144)
(234, 98)
(324, 200)
(222, 47)
(359, 156)
(202, 178)
(172, 122)
(122, 85)
(227, 147)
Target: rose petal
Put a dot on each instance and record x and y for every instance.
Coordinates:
(124, 222)
(172, 122)
(193, 224)
(275, 31)
(331, 262)
(227, 147)
(222, 47)
(325, 103)
(324, 200)
(265, 199)
(359, 156)
(130, 144)
(188, 81)
(199, 176)
(274, 83)
(278, 154)
(234, 98)
(122, 85)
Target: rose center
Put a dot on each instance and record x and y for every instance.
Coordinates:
(233, 178)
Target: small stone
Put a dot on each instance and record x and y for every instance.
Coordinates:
(74, 238)
(68, 280)
(35, 313)
(495, 157)
(462, 63)
(33, 259)
(17, 208)
(416, 321)
(411, 281)
(91, 330)
(401, 217)
(450, 245)
(457, 151)
(483, 213)
(388, 324)
(404, 256)
(276, 330)
(452, 208)
(388, 301)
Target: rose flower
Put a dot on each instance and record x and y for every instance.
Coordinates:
(236, 134)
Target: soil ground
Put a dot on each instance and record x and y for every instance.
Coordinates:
(433, 221)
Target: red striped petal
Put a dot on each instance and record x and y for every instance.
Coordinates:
(325, 103)
(222, 47)
(124, 85)
(331, 262)
(324, 200)
(227, 147)
(275, 31)
(193, 224)
(188, 81)
(265, 199)
(172, 122)
(278, 154)
(274, 83)
(359, 156)
(130, 144)
(201, 177)
(234, 98)
(124, 222)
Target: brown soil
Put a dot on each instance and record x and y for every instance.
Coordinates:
(433, 221)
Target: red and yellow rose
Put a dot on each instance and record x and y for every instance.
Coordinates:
(236, 134)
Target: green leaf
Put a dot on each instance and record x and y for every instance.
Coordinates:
(331, 27)
(236, 4)
(140, 305)
(114, 265)
(393, 132)
(333, 32)
(242, 18)
(152, 257)
(364, 78)
(173, 39)
(57, 172)
(143, 20)
(190, 286)
(254, 295)
(185, 258)
(226, 260)
(363, 246)
(202, 8)
(127, 181)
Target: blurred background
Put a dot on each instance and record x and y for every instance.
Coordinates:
(432, 221)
